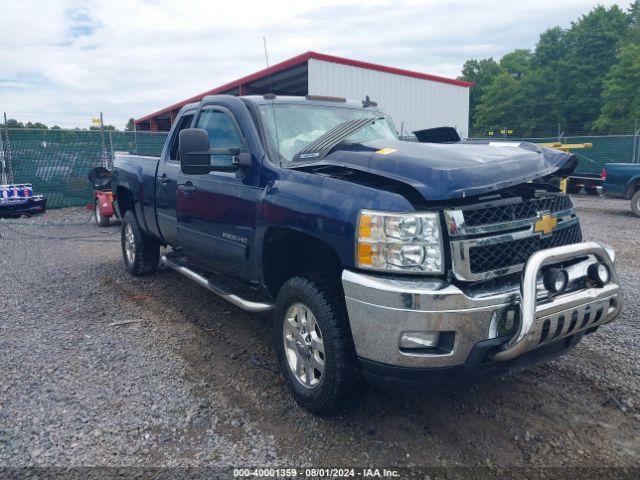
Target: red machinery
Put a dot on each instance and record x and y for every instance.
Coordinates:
(103, 209)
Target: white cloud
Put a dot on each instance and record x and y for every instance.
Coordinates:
(64, 61)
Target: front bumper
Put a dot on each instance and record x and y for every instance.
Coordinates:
(382, 308)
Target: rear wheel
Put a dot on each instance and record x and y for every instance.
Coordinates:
(635, 204)
(314, 345)
(140, 252)
(100, 220)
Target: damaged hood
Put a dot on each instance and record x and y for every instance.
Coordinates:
(447, 171)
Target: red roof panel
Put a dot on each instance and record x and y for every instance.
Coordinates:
(297, 60)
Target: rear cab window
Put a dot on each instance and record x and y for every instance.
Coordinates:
(184, 122)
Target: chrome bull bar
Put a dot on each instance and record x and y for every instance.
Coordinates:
(566, 314)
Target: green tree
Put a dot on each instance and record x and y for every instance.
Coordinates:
(481, 73)
(516, 63)
(591, 46)
(499, 102)
(634, 23)
(566, 79)
(131, 125)
(550, 48)
(621, 93)
(36, 125)
(13, 123)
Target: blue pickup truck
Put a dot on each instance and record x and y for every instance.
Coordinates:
(406, 264)
(622, 180)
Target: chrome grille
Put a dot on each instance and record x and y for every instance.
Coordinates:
(497, 239)
(506, 254)
(516, 211)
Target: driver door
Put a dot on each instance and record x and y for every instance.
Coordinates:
(217, 211)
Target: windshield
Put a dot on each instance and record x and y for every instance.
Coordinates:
(299, 125)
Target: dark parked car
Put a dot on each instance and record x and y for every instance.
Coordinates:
(622, 180)
(407, 264)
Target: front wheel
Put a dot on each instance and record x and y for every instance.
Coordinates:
(314, 345)
(140, 252)
(635, 204)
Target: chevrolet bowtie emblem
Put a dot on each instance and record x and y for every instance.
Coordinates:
(545, 225)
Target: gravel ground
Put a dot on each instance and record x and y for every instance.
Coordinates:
(189, 381)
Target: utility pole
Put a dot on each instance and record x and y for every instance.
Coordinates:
(110, 159)
(3, 173)
(103, 142)
(7, 174)
(135, 136)
(635, 156)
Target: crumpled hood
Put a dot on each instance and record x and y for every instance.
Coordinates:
(446, 171)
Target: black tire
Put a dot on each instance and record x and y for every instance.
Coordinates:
(97, 216)
(341, 379)
(635, 204)
(145, 250)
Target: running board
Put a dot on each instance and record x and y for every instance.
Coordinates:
(246, 305)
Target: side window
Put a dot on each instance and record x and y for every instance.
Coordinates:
(185, 122)
(222, 133)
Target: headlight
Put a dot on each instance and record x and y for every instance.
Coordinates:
(400, 242)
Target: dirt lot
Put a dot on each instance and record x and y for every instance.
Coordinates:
(190, 381)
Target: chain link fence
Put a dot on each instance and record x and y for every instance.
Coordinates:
(58, 161)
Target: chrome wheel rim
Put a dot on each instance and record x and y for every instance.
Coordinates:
(303, 345)
(129, 243)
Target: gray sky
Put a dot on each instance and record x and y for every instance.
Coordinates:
(64, 61)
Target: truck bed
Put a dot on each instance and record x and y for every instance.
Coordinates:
(137, 173)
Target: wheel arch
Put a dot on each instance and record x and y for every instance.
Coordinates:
(287, 253)
(633, 186)
(124, 201)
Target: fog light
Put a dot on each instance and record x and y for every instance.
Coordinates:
(556, 280)
(599, 274)
(419, 339)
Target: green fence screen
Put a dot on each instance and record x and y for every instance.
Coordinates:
(57, 162)
(606, 149)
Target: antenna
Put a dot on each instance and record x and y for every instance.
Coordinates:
(272, 98)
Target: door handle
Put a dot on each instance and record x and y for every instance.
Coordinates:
(188, 188)
(163, 179)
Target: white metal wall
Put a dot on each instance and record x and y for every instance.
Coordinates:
(413, 103)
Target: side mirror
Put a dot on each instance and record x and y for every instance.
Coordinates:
(195, 157)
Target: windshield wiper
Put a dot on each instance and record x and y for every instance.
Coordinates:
(322, 146)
